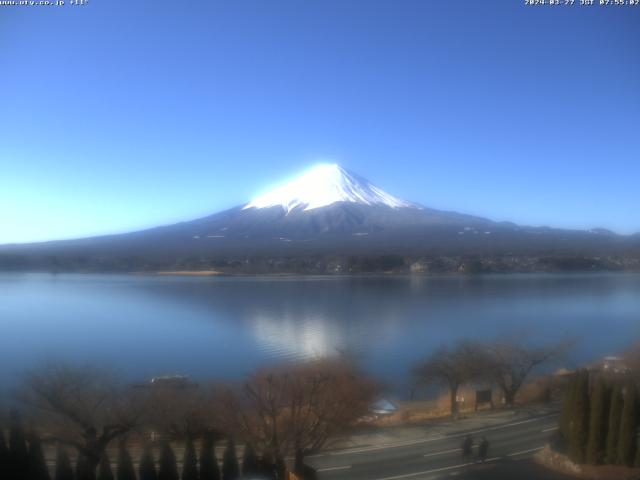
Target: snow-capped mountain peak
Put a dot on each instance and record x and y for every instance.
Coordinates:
(324, 185)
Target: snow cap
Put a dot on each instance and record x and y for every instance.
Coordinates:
(323, 185)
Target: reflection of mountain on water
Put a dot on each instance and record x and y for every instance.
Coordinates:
(211, 327)
(307, 334)
(302, 317)
(297, 337)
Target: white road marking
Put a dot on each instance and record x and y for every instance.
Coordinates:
(329, 469)
(437, 470)
(531, 450)
(550, 429)
(377, 447)
(426, 472)
(498, 427)
(442, 453)
(428, 440)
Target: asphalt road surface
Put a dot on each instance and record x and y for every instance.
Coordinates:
(433, 457)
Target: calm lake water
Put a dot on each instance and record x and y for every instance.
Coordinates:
(141, 326)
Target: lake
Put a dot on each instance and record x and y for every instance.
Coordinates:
(224, 327)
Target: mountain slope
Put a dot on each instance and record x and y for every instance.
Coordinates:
(326, 212)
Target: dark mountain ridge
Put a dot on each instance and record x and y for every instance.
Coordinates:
(339, 230)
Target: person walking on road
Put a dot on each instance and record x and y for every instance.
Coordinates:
(467, 447)
(483, 450)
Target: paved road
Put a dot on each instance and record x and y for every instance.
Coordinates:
(435, 456)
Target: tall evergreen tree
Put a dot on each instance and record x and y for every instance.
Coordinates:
(209, 469)
(230, 468)
(599, 415)
(628, 426)
(190, 461)
(37, 469)
(84, 470)
(125, 469)
(636, 463)
(18, 451)
(104, 468)
(615, 416)
(267, 468)
(281, 467)
(250, 464)
(298, 463)
(567, 409)
(168, 466)
(63, 465)
(4, 456)
(147, 467)
(579, 430)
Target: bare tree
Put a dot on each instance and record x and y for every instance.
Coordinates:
(299, 408)
(510, 361)
(182, 410)
(451, 368)
(82, 408)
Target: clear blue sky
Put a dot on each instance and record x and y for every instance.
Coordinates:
(122, 114)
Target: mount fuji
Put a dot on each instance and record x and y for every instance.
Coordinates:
(331, 220)
(325, 185)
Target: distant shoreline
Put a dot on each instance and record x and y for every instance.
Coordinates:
(216, 273)
(188, 273)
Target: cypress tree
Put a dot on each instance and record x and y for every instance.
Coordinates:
(18, 452)
(4, 456)
(147, 467)
(298, 464)
(302, 470)
(267, 467)
(579, 430)
(280, 467)
(168, 466)
(63, 465)
(37, 465)
(189, 461)
(208, 462)
(83, 469)
(125, 469)
(104, 468)
(628, 426)
(230, 468)
(613, 435)
(250, 464)
(597, 423)
(567, 409)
